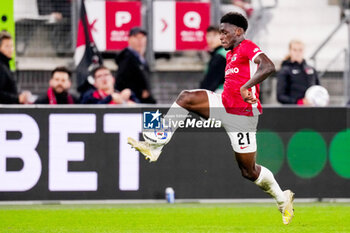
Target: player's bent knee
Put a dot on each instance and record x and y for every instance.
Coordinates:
(185, 99)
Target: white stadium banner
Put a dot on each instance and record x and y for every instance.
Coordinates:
(180, 25)
(164, 26)
(96, 13)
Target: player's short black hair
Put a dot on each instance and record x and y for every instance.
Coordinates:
(61, 69)
(213, 28)
(236, 19)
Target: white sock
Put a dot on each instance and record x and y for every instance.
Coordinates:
(267, 182)
(175, 113)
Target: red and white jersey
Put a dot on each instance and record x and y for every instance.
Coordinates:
(240, 67)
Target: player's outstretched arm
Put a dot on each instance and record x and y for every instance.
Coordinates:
(265, 68)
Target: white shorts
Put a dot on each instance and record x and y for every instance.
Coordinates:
(240, 129)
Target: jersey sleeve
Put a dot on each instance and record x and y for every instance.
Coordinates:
(251, 50)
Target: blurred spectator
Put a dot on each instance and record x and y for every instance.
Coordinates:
(133, 71)
(295, 76)
(105, 92)
(58, 9)
(8, 86)
(245, 5)
(60, 18)
(215, 70)
(344, 8)
(59, 85)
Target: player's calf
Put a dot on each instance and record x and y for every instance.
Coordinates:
(251, 174)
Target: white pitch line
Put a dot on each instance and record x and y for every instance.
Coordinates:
(158, 201)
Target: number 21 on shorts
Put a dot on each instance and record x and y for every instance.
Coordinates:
(244, 142)
(243, 139)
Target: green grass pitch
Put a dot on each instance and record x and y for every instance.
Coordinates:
(191, 217)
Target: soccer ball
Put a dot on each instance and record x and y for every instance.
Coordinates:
(317, 96)
(157, 136)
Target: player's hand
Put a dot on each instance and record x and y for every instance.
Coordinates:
(247, 95)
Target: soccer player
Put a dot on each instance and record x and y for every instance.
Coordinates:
(238, 108)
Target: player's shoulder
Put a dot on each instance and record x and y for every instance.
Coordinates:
(250, 49)
(249, 43)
